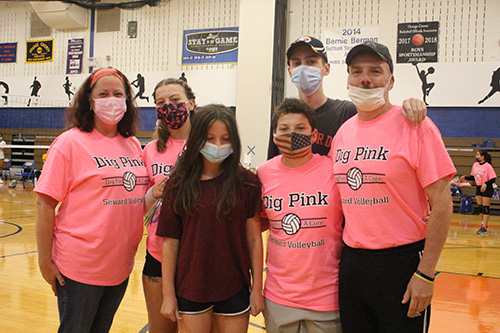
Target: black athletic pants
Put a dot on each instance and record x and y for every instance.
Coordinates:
(371, 287)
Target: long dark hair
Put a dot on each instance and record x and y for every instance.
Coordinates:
(186, 176)
(486, 155)
(162, 132)
(81, 115)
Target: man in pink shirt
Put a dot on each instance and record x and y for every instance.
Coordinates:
(388, 170)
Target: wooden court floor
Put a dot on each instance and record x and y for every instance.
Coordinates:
(467, 290)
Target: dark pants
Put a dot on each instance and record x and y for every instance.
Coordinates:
(88, 308)
(371, 287)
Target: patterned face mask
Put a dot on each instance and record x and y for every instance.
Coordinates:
(293, 144)
(173, 115)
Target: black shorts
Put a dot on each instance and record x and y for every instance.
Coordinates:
(488, 193)
(233, 306)
(152, 267)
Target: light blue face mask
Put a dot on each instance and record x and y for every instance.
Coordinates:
(307, 79)
(216, 154)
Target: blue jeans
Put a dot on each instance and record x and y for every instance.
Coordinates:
(88, 308)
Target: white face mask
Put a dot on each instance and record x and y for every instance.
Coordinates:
(307, 79)
(216, 154)
(110, 110)
(367, 100)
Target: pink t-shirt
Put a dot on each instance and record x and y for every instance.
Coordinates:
(159, 166)
(482, 173)
(305, 234)
(382, 167)
(101, 183)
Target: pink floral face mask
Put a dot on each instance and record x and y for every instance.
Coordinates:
(173, 115)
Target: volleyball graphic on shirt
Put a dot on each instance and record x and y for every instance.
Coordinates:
(290, 224)
(354, 178)
(129, 181)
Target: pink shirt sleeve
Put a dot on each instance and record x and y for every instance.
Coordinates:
(433, 160)
(57, 172)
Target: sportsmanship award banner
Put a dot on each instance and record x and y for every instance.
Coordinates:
(418, 42)
(39, 51)
(8, 52)
(75, 56)
(210, 46)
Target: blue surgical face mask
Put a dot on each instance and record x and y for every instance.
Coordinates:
(307, 79)
(216, 154)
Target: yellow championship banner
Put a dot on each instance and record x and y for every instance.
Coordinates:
(39, 50)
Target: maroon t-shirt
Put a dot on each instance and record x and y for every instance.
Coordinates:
(213, 262)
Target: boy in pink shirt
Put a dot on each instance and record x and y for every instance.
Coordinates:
(303, 208)
(386, 169)
(485, 176)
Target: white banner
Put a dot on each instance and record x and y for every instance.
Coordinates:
(339, 41)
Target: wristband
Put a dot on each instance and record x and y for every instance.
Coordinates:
(424, 277)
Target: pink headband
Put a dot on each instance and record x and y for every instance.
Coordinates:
(103, 72)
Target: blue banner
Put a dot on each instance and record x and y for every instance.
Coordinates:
(210, 46)
(8, 52)
(75, 56)
(39, 51)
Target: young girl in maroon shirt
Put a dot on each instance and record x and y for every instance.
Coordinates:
(211, 228)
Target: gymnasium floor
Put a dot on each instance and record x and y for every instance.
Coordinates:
(467, 291)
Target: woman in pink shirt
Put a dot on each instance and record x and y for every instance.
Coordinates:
(175, 101)
(484, 175)
(86, 248)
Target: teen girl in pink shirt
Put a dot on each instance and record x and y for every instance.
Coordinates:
(211, 224)
(174, 102)
(485, 176)
(86, 249)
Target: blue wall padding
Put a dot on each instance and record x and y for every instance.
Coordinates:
(453, 122)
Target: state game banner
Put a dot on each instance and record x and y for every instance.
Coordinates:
(8, 52)
(210, 46)
(338, 42)
(75, 56)
(418, 42)
(40, 51)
